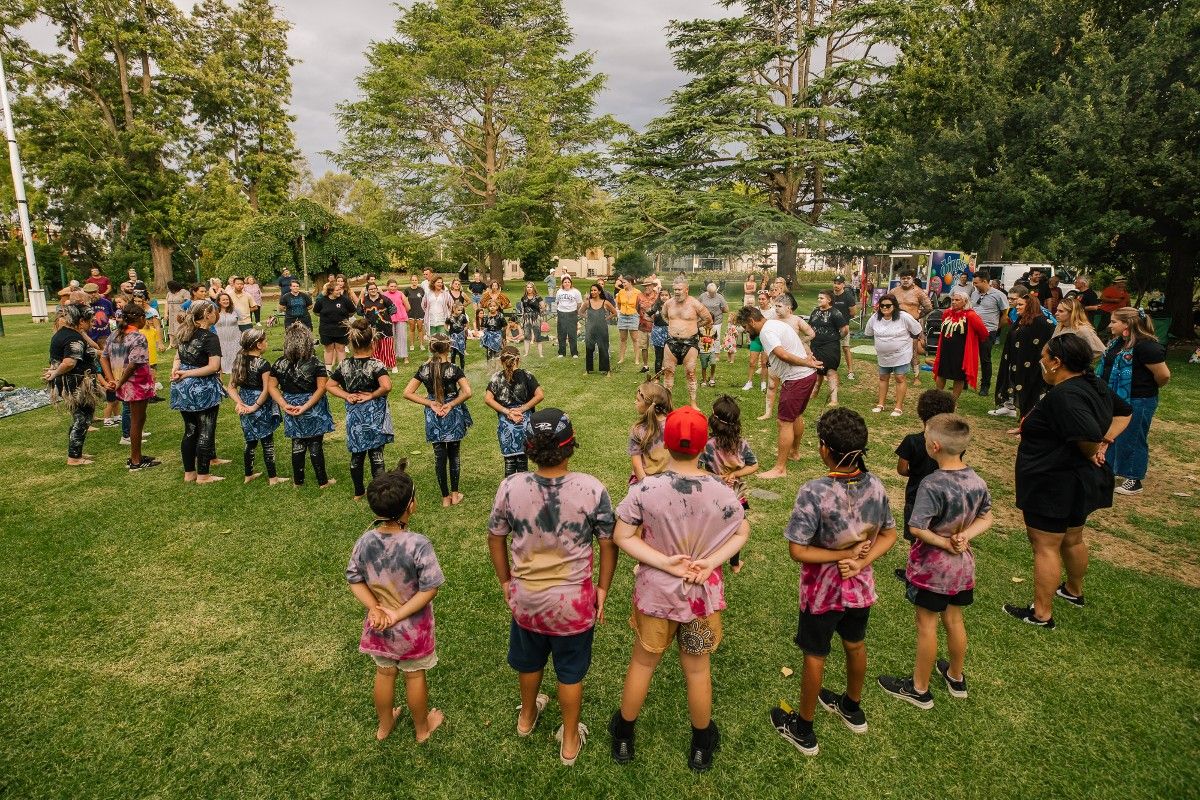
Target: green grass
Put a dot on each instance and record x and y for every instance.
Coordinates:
(163, 640)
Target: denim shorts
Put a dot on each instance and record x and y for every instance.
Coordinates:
(903, 369)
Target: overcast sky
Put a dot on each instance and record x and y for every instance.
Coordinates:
(627, 37)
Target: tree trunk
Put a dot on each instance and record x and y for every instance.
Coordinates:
(1180, 285)
(997, 244)
(495, 267)
(785, 256)
(160, 257)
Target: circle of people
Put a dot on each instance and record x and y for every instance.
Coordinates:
(1084, 408)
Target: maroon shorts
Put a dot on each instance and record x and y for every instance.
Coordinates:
(794, 396)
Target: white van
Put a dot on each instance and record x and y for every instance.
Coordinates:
(1007, 272)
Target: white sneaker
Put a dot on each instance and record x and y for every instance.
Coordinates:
(395, 370)
(158, 386)
(125, 440)
(560, 355)
(112, 422)
(762, 387)
(749, 385)
(850, 376)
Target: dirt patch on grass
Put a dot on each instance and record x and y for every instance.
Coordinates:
(1175, 562)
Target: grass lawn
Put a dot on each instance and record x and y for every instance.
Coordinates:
(159, 639)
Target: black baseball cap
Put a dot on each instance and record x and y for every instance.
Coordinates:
(839, 278)
(552, 422)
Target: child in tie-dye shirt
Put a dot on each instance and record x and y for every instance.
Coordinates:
(952, 507)
(552, 515)
(839, 525)
(395, 574)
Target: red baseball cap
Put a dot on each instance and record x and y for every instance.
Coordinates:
(686, 431)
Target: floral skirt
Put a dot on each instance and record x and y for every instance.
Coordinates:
(261, 423)
(658, 336)
(458, 341)
(492, 341)
(450, 428)
(197, 394)
(368, 425)
(511, 435)
(317, 421)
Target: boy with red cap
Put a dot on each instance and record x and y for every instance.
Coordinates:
(681, 525)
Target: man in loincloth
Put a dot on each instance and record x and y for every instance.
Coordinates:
(916, 302)
(684, 315)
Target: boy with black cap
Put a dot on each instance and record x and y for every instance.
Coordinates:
(552, 515)
(681, 525)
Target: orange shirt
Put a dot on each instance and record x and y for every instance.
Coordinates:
(1113, 298)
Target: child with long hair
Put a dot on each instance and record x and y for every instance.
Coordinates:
(457, 326)
(647, 455)
(514, 394)
(446, 414)
(297, 384)
(492, 324)
(126, 365)
(728, 455)
(196, 391)
(395, 574)
(249, 384)
(362, 381)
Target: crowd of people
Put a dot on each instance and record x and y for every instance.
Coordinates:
(1084, 409)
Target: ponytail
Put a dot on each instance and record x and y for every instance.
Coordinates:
(509, 358)
(241, 362)
(439, 350)
(360, 334)
(189, 320)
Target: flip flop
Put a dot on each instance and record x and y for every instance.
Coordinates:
(583, 734)
(540, 704)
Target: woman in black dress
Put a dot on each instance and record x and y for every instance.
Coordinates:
(961, 335)
(333, 308)
(74, 367)
(1061, 472)
(830, 326)
(1028, 336)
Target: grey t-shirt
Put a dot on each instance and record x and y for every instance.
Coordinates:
(716, 305)
(989, 306)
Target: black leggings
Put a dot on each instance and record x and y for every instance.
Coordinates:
(658, 358)
(446, 460)
(315, 447)
(268, 448)
(199, 444)
(515, 464)
(80, 420)
(356, 468)
(458, 357)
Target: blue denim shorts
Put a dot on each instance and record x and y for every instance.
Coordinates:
(903, 369)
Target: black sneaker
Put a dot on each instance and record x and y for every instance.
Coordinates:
(903, 688)
(901, 575)
(700, 758)
(956, 688)
(622, 746)
(146, 463)
(1074, 599)
(854, 720)
(984, 391)
(1129, 486)
(1025, 614)
(787, 725)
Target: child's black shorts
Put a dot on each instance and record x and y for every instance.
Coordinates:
(815, 631)
(528, 652)
(934, 601)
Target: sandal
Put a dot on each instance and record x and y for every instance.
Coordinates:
(540, 704)
(897, 412)
(583, 734)
(876, 409)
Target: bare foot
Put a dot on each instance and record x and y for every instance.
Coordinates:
(208, 478)
(445, 502)
(92, 429)
(456, 498)
(763, 417)
(1013, 431)
(78, 462)
(794, 455)
(737, 568)
(189, 477)
(277, 481)
(328, 483)
(382, 731)
(219, 462)
(359, 496)
(252, 477)
(434, 720)
(772, 474)
(832, 401)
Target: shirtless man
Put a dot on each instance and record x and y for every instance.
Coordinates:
(683, 314)
(916, 302)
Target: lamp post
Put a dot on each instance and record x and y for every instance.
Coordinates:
(304, 256)
(37, 295)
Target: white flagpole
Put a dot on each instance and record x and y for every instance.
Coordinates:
(37, 295)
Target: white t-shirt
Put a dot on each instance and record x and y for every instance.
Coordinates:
(893, 338)
(568, 300)
(779, 334)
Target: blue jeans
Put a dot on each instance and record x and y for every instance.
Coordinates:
(126, 420)
(1129, 455)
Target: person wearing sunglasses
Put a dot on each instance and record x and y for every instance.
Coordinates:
(894, 332)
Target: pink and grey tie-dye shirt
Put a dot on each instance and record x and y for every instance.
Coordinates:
(834, 514)
(396, 566)
(552, 522)
(947, 501)
(693, 515)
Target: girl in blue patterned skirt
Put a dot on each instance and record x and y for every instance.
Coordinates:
(196, 391)
(298, 386)
(514, 394)
(362, 381)
(249, 384)
(446, 415)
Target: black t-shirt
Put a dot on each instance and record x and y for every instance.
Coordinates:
(359, 374)
(415, 295)
(1146, 351)
(333, 313)
(69, 343)
(451, 375)
(457, 324)
(255, 370)
(517, 392)
(920, 465)
(299, 377)
(827, 325)
(476, 287)
(496, 323)
(531, 306)
(1086, 298)
(1053, 477)
(379, 313)
(195, 352)
(844, 302)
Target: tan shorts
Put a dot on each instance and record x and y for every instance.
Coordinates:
(698, 637)
(407, 665)
(846, 339)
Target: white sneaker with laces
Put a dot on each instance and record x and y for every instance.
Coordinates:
(749, 385)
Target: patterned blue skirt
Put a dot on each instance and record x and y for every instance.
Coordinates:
(458, 341)
(492, 341)
(197, 394)
(368, 425)
(317, 421)
(262, 423)
(658, 336)
(511, 435)
(450, 428)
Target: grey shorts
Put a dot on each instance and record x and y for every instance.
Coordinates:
(408, 664)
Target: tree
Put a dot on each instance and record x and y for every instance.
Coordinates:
(476, 121)
(753, 145)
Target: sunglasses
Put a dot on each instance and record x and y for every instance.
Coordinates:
(886, 305)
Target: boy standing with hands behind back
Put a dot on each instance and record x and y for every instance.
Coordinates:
(952, 507)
